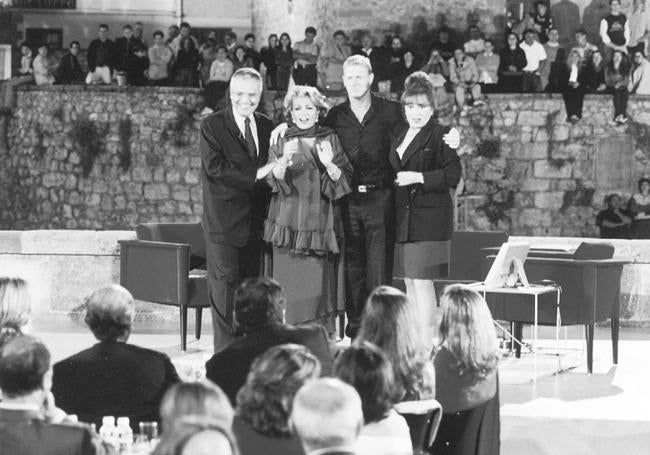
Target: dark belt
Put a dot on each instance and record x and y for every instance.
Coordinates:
(369, 188)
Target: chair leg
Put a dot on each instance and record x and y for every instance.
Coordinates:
(614, 323)
(183, 328)
(589, 334)
(342, 325)
(199, 316)
(518, 333)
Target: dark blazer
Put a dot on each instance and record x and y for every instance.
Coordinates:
(424, 211)
(234, 205)
(109, 56)
(70, 71)
(564, 73)
(113, 378)
(26, 433)
(251, 442)
(123, 50)
(229, 367)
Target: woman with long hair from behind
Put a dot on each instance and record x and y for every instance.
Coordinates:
(15, 307)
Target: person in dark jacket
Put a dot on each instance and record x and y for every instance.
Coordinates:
(186, 65)
(101, 58)
(124, 48)
(70, 71)
(512, 61)
(268, 58)
(283, 55)
(137, 67)
(572, 85)
(113, 377)
(594, 73)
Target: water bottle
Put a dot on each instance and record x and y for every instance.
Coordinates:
(124, 435)
(108, 431)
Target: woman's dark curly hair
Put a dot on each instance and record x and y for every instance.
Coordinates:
(265, 401)
(641, 181)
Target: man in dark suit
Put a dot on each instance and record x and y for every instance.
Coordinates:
(101, 58)
(27, 411)
(234, 148)
(113, 378)
(259, 314)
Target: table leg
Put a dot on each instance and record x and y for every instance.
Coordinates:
(535, 339)
(614, 323)
(558, 323)
(589, 335)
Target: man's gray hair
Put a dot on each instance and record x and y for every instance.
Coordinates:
(109, 312)
(248, 73)
(358, 60)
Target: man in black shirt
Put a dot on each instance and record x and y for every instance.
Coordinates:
(125, 48)
(101, 58)
(70, 71)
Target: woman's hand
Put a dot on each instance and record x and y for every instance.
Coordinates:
(325, 152)
(406, 178)
(278, 132)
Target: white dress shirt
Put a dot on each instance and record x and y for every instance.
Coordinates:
(240, 120)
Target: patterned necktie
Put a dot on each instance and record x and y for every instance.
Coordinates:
(250, 141)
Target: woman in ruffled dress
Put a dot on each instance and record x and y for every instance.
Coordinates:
(310, 175)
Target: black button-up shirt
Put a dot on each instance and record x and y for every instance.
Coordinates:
(367, 143)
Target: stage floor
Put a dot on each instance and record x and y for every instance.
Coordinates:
(568, 413)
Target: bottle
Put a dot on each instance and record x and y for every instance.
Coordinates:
(124, 435)
(108, 431)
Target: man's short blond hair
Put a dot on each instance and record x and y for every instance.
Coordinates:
(358, 60)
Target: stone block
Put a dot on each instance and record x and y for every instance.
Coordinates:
(192, 177)
(533, 184)
(156, 191)
(531, 118)
(92, 199)
(181, 194)
(549, 200)
(535, 217)
(560, 132)
(533, 151)
(544, 169)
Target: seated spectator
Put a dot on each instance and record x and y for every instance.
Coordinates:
(185, 32)
(614, 222)
(332, 61)
(445, 43)
(230, 39)
(535, 57)
(113, 377)
(186, 66)
(572, 85)
(305, 58)
(137, 67)
(594, 73)
(43, 67)
(30, 423)
(240, 59)
(202, 400)
(160, 57)
(617, 79)
(438, 71)
(584, 48)
(542, 21)
(261, 425)
(101, 58)
(487, 65)
(15, 308)
(390, 321)
(259, 307)
(476, 44)
(366, 369)
(194, 436)
(124, 48)
(464, 79)
(208, 52)
(327, 417)
(555, 58)
(639, 209)
(283, 55)
(26, 60)
(512, 61)
(251, 52)
(70, 71)
(640, 75)
(268, 58)
(220, 73)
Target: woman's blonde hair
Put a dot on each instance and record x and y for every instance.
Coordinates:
(15, 303)
(467, 331)
(306, 91)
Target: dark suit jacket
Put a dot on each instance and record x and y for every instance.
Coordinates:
(26, 433)
(229, 367)
(424, 211)
(123, 50)
(109, 56)
(70, 71)
(234, 205)
(113, 378)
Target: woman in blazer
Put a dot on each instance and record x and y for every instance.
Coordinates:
(426, 170)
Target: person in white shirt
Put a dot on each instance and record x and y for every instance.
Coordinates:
(476, 44)
(160, 57)
(42, 67)
(639, 26)
(615, 30)
(487, 65)
(535, 56)
(640, 76)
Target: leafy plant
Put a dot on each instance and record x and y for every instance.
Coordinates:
(89, 139)
(125, 130)
(489, 148)
(39, 147)
(497, 206)
(175, 128)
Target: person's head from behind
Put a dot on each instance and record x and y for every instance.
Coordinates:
(613, 201)
(74, 48)
(310, 34)
(467, 331)
(357, 76)
(249, 40)
(127, 31)
(644, 185)
(265, 400)
(326, 413)
(197, 436)
(541, 8)
(259, 303)
(512, 40)
(553, 35)
(203, 400)
(102, 32)
(158, 38)
(109, 313)
(529, 36)
(25, 373)
(15, 303)
(367, 369)
(304, 105)
(185, 29)
(417, 99)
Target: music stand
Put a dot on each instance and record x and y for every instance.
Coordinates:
(508, 268)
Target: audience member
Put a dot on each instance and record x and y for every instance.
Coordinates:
(305, 57)
(26, 60)
(43, 74)
(138, 33)
(464, 79)
(367, 369)
(614, 30)
(639, 209)
(240, 60)
(184, 33)
(640, 75)
(487, 65)
(438, 71)
(377, 60)
(542, 21)
(594, 73)
(639, 27)
(445, 43)
(208, 53)
(30, 423)
(112, 377)
(137, 66)
(201, 400)
(15, 308)
(172, 32)
(124, 48)
(332, 61)
(101, 58)
(251, 52)
(70, 71)
(555, 58)
(265, 400)
(160, 57)
(259, 308)
(572, 86)
(397, 68)
(617, 79)
(327, 417)
(230, 40)
(283, 57)
(390, 321)
(220, 73)
(614, 222)
(267, 54)
(584, 47)
(200, 436)
(186, 66)
(535, 56)
(476, 44)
